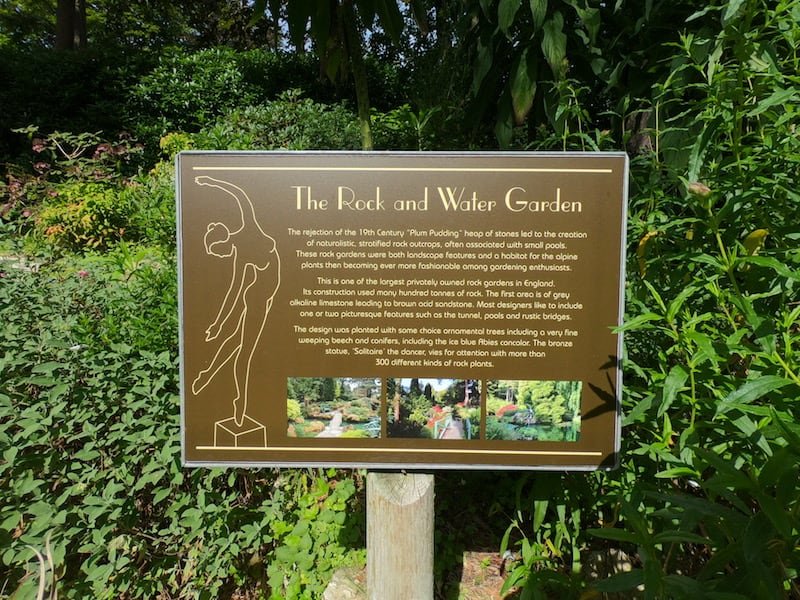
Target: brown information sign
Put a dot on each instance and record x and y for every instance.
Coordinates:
(410, 310)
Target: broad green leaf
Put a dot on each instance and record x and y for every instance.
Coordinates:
(792, 438)
(539, 513)
(751, 391)
(677, 472)
(638, 321)
(590, 17)
(390, 17)
(777, 515)
(503, 127)
(725, 467)
(779, 97)
(554, 44)
(483, 64)
(673, 384)
(506, 11)
(772, 263)
(613, 533)
(47, 368)
(656, 296)
(731, 11)
(678, 302)
(523, 84)
(538, 12)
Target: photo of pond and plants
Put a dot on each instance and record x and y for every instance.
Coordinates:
(333, 407)
(547, 411)
(433, 408)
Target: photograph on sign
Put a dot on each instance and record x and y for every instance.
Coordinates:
(401, 310)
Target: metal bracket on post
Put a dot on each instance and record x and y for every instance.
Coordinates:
(399, 536)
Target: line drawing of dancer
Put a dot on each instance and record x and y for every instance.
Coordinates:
(255, 279)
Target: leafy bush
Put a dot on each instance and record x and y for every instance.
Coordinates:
(290, 122)
(89, 439)
(85, 215)
(355, 433)
(294, 411)
(58, 91)
(187, 91)
(705, 501)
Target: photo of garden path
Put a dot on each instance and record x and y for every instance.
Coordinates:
(439, 409)
(333, 407)
(546, 411)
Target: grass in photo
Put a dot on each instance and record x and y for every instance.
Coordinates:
(333, 407)
(546, 411)
(445, 409)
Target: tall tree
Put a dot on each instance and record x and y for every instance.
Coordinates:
(70, 24)
(337, 29)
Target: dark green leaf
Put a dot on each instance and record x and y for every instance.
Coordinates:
(523, 84)
(554, 44)
(751, 391)
(621, 582)
(673, 384)
(538, 12)
(506, 11)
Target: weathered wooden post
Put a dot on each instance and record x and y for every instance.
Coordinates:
(400, 536)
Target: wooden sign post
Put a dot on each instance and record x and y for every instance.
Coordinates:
(400, 525)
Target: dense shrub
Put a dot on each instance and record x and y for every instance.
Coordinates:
(85, 216)
(90, 471)
(187, 90)
(290, 122)
(57, 91)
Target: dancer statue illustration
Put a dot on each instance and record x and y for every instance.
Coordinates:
(256, 277)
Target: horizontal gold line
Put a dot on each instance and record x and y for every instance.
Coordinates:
(406, 450)
(410, 169)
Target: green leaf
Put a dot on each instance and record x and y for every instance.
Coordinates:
(677, 472)
(503, 127)
(523, 84)
(47, 368)
(678, 302)
(751, 391)
(538, 12)
(772, 263)
(554, 44)
(673, 383)
(615, 534)
(390, 17)
(638, 321)
(680, 537)
(725, 467)
(792, 438)
(731, 11)
(483, 63)
(621, 582)
(779, 97)
(506, 11)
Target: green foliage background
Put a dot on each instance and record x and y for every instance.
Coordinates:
(705, 502)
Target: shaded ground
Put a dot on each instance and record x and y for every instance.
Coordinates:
(481, 578)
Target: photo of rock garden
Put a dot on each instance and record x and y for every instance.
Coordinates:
(333, 407)
(546, 411)
(443, 409)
